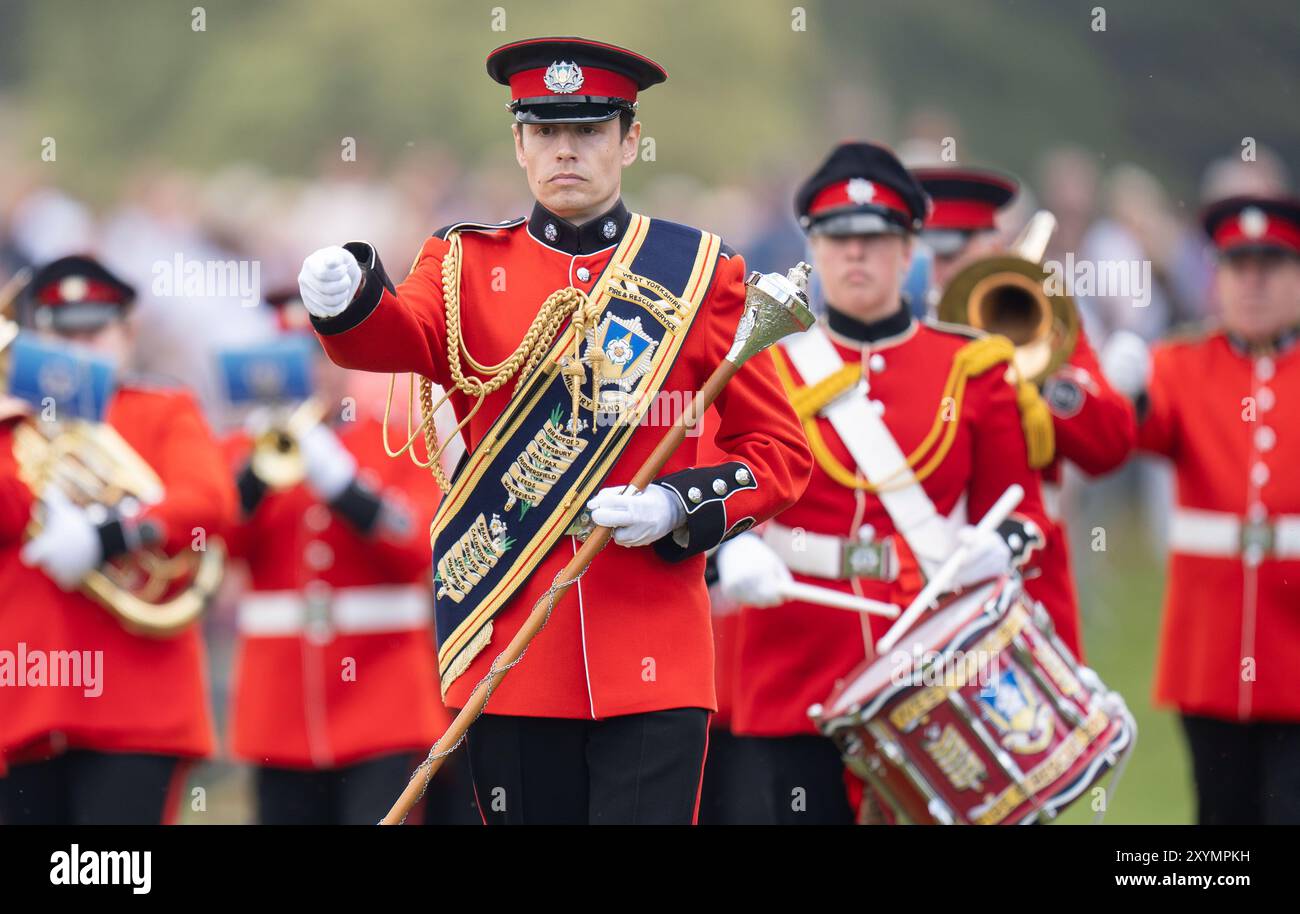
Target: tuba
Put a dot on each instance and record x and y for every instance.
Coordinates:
(1007, 294)
(151, 593)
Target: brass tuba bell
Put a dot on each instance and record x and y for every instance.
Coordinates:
(1007, 294)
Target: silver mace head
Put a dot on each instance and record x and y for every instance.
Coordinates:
(775, 307)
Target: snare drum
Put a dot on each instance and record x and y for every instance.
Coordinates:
(980, 715)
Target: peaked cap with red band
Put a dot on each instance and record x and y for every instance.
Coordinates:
(291, 315)
(861, 189)
(73, 294)
(1242, 224)
(964, 199)
(571, 80)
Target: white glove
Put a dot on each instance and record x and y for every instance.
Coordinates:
(329, 280)
(1126, 363)
(638, 518)
(749, 572)
(329, 466)
(68, 546)
(987, 556)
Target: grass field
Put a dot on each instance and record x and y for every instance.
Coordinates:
(1121, 591)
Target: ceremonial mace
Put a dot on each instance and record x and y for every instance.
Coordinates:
(776, 306)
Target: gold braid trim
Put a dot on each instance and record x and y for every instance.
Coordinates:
(530, 351)
(972, 360)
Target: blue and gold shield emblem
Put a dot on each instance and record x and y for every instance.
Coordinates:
(626, 354)
(1024, 723)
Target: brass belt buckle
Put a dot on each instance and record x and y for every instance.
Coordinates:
(1257, 539)
(317, 611)
(874, 559)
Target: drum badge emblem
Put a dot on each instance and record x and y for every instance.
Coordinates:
(1024, 723)
(563, 77)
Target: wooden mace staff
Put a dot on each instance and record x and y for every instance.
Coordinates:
(776, 306)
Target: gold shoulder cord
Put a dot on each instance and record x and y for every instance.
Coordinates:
(531, 350)
(971, 360)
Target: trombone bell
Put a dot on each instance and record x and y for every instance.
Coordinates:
(1007, 294)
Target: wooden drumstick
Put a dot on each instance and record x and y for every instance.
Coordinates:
(824, 596)
(943, 578)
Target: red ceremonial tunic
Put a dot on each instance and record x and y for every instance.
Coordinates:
(335, 660)
(790, 656)
(634, 634)
(1095, 430)
(153, 696)
(1229, 420)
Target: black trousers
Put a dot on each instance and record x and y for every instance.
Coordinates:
(1246, 773)
(789, 780)
(361, 794)
(637, 769)
(717, 777)
(80, 787)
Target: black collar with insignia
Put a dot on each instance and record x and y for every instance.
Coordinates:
(1279, 344)
(592, 236)
(869, 331)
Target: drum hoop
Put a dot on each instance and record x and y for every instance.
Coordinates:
(994, 609)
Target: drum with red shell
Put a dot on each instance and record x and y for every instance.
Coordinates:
(979, 715)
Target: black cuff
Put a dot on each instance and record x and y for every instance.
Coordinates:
(112, 538)
(251, 489)
(1141, 406)
(1022, 536)
(711, 569)
(703, 492)
(118, 537)
(373, 283)
(359, 506)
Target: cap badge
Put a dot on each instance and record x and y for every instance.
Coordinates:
(73, 288)
(1253, 222)
(861, 190)
(563, 77)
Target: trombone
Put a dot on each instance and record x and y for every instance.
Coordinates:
(277, 451)
(1007, 294)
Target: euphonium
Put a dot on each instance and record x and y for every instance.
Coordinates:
(1007, 294)
(152, 593)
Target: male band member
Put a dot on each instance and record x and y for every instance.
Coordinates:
(335, 694)
(1093, 424)
(605, 718)
(116, 754)
(1223, 409)
(914, 427)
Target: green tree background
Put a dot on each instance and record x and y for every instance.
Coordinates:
(1168, 84)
